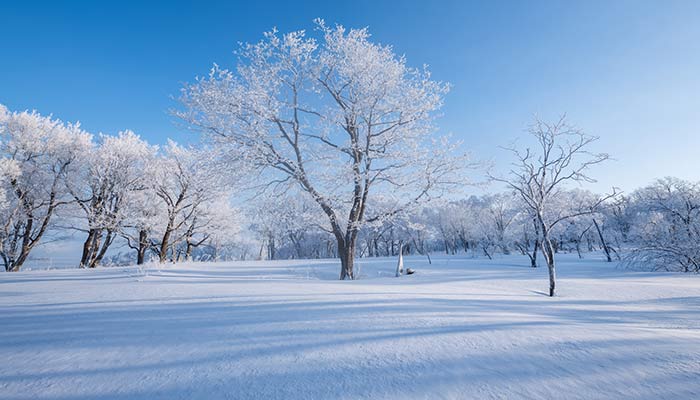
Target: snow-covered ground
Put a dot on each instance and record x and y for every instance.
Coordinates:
(460, 328)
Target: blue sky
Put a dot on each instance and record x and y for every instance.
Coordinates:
(627, 71)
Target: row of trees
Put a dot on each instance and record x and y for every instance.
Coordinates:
(57, 178)
(169, 201)
(655, 227)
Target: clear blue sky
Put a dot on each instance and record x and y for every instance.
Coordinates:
(628, 71)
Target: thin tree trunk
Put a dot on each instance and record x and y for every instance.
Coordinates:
(486, 252)
(533, 259)
(578, 249)
(547, 249)
(548, 253)
(602, 241)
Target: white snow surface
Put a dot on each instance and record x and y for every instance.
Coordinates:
(461, 328)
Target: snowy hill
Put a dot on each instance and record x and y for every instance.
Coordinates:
(460, 328)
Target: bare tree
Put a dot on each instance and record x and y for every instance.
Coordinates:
(539, 174)
(344, 119)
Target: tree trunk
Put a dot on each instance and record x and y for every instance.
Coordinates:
(578, 249)
(143, 246)
(87, 249)
(602, 241)
(549, 257)
(346, 252)
(188, 251)
(533, 259)
(486, 252)
(347, 261)
(548, 253)
(164, 245)
(100, 252)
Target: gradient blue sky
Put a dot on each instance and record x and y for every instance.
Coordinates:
(627, 71)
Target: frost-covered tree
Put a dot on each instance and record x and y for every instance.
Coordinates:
(218, 230)
(341, 117)
(527, 235)
(499, 212)
(410, 231)
(667, 228)
(109, 173)
(213, 222)
(184, 181)
(143, 216)
(540, 173)
(455, 225)
(619, 215)
(581, 227)
(39, 152)
(289, 226)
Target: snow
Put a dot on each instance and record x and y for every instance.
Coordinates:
(459, 328)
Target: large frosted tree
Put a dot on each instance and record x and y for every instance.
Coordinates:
(343, 118)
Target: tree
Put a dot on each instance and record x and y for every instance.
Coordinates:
(39, 151)
(108, 174)
(498, 214)
(560, 156)
(342, 118)
(183, 181)
(667, 229)
(213, 222)
(528, 237)
(218, 231)
(143, 216)
(289, 226)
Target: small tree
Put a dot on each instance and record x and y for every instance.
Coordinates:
(539, 174)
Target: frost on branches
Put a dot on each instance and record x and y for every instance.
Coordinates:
(168, 201)
(110, 171)
(667, 228)
(342, 118)
(37, 152)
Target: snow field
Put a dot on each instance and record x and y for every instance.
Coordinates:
(459, 328)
